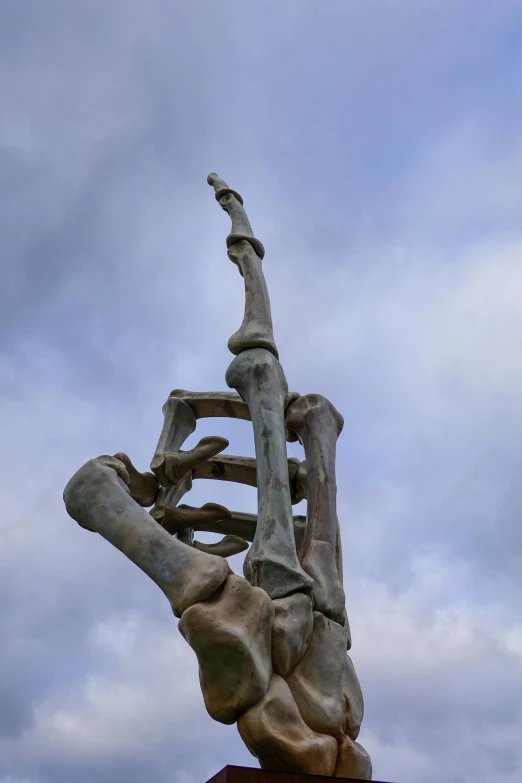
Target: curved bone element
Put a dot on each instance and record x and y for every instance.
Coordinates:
(179, 422)
(234, 523)
(223, 405)
(247, 252)
(272, 647)
(231, 202)
(291, 632)
(272, 561)
(353, 698)
(143, 487)
(177, 465)
(230, 634)
(169, 496)
(316, 681)
(179, 518)
(214, 404)
(353, 761)
(276, 734)
(256, 331)
(241, 470)
(97, 498)
(228, 546)
(318, 425)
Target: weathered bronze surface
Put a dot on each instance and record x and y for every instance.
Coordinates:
(272, 645)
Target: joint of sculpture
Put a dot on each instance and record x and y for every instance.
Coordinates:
(272, 644)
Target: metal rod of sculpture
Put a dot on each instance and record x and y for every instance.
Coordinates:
(272, 645)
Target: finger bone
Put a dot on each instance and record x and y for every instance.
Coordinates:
(318, 425)
(272, 561)
(178, 518)
(143, 487)
(179, 423)
(213, 404)
(228, 546)
(177, 465)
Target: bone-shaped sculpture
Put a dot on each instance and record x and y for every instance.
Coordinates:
(272, 645)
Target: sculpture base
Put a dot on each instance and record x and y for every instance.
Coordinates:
(248, 775)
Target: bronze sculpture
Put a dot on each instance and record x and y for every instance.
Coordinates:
(272, 645)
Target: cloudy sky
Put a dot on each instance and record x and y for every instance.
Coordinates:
(377, 145)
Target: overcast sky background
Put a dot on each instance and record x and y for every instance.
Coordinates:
(377, 145)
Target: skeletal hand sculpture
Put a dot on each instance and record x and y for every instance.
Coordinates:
(272, 647)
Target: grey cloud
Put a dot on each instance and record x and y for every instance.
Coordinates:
(376, 150)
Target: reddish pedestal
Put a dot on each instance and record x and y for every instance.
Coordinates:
(248, 775)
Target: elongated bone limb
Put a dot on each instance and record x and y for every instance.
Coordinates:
(228, 546)
(232, 202)
(318, 425)
(143, 487)
(172, 468)
(179, 518)
(183, 521)
(214, 404)
(224, 522)
(272, 561)
(247, 252)
(256, 331)
(223, 404)
(177, 465)
(170, 496)
(179, 422)
(98, 498)
(242, 470)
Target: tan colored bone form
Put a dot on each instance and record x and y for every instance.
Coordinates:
(291, 631)
(300, 483)
(232, 202)
(241, 470)
(228, 546)
(258, 377)
(247, 252)
(353, 761)
(169, 497)
(266, 658)
(173, 468)
(318, 425)
(353, 698)
(316, 681)
(272, 560)
(178, 518)
(143, 487)
(176, 465)
(212, 518)
(214, 404)
(230, 634)
(228, 467)
(256, 329)
(179, 422)
(224, 404)
(97, 498)
(236, 523)
(274, 731)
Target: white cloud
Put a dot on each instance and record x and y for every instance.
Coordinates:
(393, 262)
